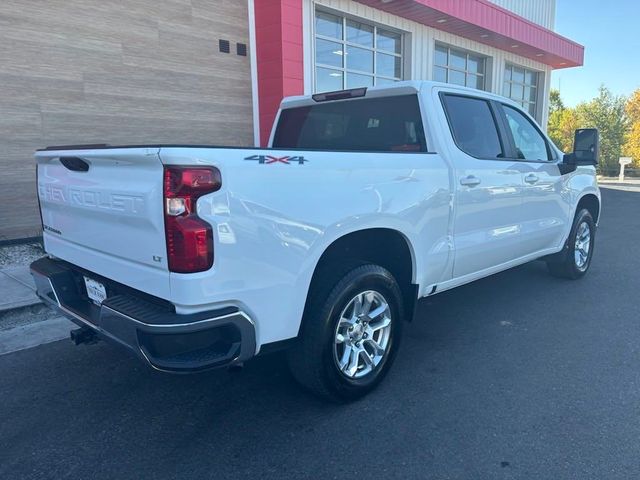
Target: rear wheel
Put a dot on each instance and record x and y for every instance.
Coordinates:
(574, 261)
(350, 334)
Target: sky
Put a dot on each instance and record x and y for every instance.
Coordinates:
(610, 33)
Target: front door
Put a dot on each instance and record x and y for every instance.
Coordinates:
(545, 208)
(487, 228)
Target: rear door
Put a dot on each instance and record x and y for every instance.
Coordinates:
(102, 210)
(545, 209)
(488, 187)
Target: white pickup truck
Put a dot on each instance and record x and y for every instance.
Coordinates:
(195, 257)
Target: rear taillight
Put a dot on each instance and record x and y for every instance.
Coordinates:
(189, 238)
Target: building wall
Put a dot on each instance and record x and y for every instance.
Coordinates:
(278, 38)
(420, 48)
(117, 72)
(542, 12)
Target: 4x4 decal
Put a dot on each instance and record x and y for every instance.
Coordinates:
(270, 159)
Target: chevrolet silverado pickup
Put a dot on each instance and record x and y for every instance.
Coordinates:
(193, 257)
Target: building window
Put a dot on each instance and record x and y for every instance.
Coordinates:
(521, 86)
(459, 67)
(351, 54)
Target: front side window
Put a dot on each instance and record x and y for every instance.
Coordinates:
(521, 86)
(473, 126)
(351, 54)
(388, 124)
(459, 67)
(529, 142)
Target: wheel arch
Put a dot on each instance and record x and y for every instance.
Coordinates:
(386, 247)
(591, 202)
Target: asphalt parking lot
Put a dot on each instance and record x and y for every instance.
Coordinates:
(520, 375)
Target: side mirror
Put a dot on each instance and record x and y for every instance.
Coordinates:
(586, 148)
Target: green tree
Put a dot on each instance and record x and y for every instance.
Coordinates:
(607, 113)
(555, 102)
(562, 126)
(562, 123)
(631, 147)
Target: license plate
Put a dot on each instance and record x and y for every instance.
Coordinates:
(95, 290)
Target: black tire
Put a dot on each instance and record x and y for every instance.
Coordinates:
(565, 264)
(313, 361)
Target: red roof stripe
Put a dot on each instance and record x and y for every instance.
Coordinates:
(473, 18)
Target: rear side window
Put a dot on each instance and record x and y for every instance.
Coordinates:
(389, 124)
(473, 126)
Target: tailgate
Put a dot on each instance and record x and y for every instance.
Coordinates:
(102, 210)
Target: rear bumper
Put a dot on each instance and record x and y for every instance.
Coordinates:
(146, 326)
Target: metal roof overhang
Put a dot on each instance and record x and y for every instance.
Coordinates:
(485, 22)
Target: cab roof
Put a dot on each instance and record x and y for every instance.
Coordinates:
(406, 87)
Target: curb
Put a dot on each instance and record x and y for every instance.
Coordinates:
(18, 288)
(34, 334)
(18, 304)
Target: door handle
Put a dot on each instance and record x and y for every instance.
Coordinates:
(470, 181)
(531, 178)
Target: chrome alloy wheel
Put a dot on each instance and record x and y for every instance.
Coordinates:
(362, 336)
(583, 243)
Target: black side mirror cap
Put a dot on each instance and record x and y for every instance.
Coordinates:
(586, 147)
(586, 150)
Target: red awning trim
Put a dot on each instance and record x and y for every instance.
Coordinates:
(487, 23)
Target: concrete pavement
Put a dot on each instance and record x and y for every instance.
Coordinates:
(17, 288)
(31, 335)
(24, 321)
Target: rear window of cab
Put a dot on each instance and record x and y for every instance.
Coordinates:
(386, 124)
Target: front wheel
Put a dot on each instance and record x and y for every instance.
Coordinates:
(574, 261)
(349, 335)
